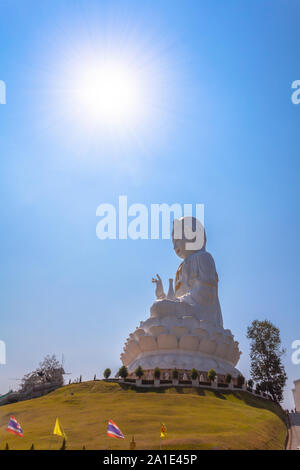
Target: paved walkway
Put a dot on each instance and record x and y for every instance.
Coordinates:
(294, 432)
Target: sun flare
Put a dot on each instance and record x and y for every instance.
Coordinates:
(109, 92)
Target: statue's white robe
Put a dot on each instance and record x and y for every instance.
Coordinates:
(197, 285)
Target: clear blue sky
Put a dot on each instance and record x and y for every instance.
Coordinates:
(219, 129)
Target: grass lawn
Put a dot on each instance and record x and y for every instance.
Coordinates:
(195, 418)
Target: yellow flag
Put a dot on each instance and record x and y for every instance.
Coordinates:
(163, 430)
(58, 429)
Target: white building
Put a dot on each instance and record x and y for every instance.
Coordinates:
(296, 393)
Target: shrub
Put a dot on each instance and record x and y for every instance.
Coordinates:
(228, 378)
(123, 372)
(240, 380)
(175, 374)
(211, 375)
(139, 372)
(194, 374)
(107, 373)
(157, 373)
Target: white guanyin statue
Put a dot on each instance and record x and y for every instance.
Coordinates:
(185, 328)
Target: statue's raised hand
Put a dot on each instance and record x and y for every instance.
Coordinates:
(159, 291)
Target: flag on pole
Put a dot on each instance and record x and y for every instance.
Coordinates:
(14, 427)
(58, 430)
(114, 431)
(163, 430)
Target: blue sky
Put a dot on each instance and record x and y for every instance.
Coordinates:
(218, 127)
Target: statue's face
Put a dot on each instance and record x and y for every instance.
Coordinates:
(179, 248)
(187, 243)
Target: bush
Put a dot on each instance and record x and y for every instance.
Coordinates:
(139, 372)
(157, 373)
(240, 380)
(250, 383)
(194, 374)
(123, 372)
(228, 378)
(175, 374)
(107, 373)
(211, 375)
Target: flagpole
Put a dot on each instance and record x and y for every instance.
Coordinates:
(4, 433)
(51, 440)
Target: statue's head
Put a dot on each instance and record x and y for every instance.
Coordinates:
(188, 236)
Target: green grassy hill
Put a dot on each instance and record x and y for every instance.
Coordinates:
(195, 418)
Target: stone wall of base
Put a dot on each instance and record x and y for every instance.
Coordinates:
(189, 383)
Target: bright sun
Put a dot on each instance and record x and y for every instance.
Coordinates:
(109, 92)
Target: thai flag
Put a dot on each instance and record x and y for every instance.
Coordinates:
(113, 430)
(14, 427)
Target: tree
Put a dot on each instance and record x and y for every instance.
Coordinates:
(50, 371)
(6, 447)
(123, 372)
(107, 373)
(211, 375)
(194, 374)
(32, 447)
(250, 383)
(157, 373)
(228, 378)
(139, 372)
(265, 354)
(175, 374)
